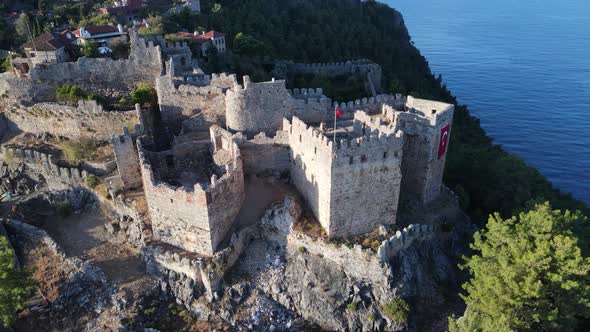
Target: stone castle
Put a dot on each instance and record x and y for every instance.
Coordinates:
(192, 158)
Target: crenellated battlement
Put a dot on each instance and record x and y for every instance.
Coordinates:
(194, 191)
(46, 164)
(403, 239)
(305, 93)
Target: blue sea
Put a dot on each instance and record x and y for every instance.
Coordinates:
(523, 68)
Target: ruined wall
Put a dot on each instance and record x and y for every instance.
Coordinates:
(100, 76)
(179, 216)
(402, 240)
(182, 100)
(45, 165)
(226, 193)
(87, 120)
(126, 157)
(257, 106)
(265, 155)
(422, 121)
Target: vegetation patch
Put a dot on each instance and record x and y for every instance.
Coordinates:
(397, 310)
(78, 151)
(64, 209)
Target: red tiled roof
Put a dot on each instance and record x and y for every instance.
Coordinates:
(214, 34)
(201, 39)
(49, 41)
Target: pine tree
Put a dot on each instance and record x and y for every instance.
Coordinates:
(528, 274)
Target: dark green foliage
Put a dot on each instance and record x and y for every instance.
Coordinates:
(144, 94)
(90, 49)
(247, 45)
(120, 50)
(15, 284)
(528, 274)
(70, 94)
(64, 209)
(92, 181)
(5, 65)
(339, 88)
(397, 310)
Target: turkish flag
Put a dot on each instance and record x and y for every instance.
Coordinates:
(444, 141)
(338, 112)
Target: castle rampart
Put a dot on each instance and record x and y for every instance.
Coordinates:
(56, 175)
(101, 76)
(87, 120)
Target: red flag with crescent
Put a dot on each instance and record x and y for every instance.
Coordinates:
(444, 141)
(338, 112)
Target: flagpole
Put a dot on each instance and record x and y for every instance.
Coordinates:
(335, 116)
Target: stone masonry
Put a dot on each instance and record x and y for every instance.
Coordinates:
(192, 201)
(352, 185)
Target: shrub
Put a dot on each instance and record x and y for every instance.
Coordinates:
(78, 151)
(15, 284)
(351, 306)
(70, 94)
(92, 181)
(144, 94)
(301, 250)
(64, 209)
(372, 317)
(397, 310)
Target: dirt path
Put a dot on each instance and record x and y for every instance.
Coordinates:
(83, 235)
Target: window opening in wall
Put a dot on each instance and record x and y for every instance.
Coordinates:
(351, 160)
(170, 161)
(385, 155)
(363, 159)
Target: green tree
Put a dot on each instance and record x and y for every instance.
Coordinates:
(90, 48)
(248, 45)
(154, 26)
(23, 27)
(144, 94)
(15, 284)
(528, 274)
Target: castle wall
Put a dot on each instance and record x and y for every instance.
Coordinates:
(371, 105)
(194, 219)
(87, 120)
(264, 155)
(361, 67)
(401, 240)
(127, 159)
(226, 193)
(257, 106)
(423, 122)
(192, 99)
(179, 216)
(100, 76)
(45, 166)
(310, 105)
(366, 179)
(311, 167)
